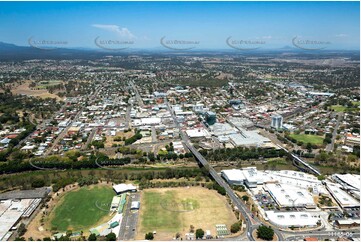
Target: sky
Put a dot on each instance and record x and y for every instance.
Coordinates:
(201, 25)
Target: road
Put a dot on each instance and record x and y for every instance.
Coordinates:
(330, 146)
(154, 134)
(135, 89)
(127, 115)
(130, 219)
(90, 138)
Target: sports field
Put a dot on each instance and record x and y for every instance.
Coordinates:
(172, 210)
(308, 138)
(81, 209)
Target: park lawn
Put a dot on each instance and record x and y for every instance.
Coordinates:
(81, 209)
(338, 108)
(308, 138)
(45, 84)
(172, 210)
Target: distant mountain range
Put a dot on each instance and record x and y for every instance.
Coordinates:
(15, 52)
(12, 52)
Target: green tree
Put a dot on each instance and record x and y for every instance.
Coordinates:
(199, 233)
(21, 229)
(264, 232)
(149, 236)
(92, 237)
(236, 227)
(245, 198)
(111, 237)
(321, 177)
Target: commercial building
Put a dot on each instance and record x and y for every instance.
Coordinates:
(328, 94)
(348, 181)
(240, 122)
(198, 133)
(292, 219)
(221, 129)
(249, 177)
(211, 118)
(249, 139)
(150, 121)
(233, 177)
(236, 103)
(297, 179)
(287, 196)
(198, 108)
(342, 198)
(277, 121)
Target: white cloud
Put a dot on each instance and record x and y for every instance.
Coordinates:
(341, 35)
(123, 32)
(267, 37)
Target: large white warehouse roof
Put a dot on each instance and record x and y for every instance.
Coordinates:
(288, 219)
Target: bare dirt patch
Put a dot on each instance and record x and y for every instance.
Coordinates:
(24, 89)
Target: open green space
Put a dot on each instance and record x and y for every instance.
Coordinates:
(81, 209)
(308, 138)
(338, 108)
(45, 84)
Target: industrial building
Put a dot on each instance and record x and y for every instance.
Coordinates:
(15, 205)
